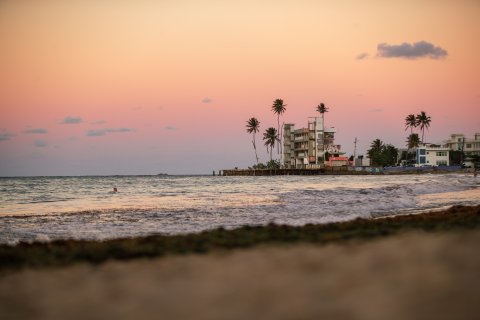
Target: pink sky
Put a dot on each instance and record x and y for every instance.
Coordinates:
(167, 86)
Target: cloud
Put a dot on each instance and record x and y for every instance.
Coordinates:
(362, 56)
(72, 120)
(96, 133)
(170, 128)
(36, 131)
(421, 49)
(40, 143)
(4, 136)
(122, 130)
(376, 110)
(102, 132)
(99, 122)
(206, 100)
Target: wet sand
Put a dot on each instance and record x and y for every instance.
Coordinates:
(414, 275)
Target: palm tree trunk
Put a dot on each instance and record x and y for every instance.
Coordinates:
(278, 126)
(323, 137)
(255, 148)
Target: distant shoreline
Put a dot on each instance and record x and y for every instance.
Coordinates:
(344, 171)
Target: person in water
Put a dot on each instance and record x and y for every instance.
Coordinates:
(115, 190)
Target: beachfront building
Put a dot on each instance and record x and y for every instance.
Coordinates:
(433, 156)
(458, 142)
(307, 147)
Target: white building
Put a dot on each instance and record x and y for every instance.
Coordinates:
(458, 142)
(306, 147)
(434, 156)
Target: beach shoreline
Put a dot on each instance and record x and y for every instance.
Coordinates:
(65, 252)
(416, 266)
(413, 266)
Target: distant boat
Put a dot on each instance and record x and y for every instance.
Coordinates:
(162, 174)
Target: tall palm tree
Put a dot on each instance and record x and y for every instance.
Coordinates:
(423, 121)
(270, 137)
(253, 126)
(410, 122)
(278, 108)
(322, 109)
(413, 141)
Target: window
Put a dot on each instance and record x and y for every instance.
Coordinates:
(422, 151)
(441, 153)
(469, 145)
(441, 162)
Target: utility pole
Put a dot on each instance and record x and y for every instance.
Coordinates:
(354, 150)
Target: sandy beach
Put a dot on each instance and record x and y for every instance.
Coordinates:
(415, 274)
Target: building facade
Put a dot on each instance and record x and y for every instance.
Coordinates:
(307, 147)
(458, 142)
(433, 156)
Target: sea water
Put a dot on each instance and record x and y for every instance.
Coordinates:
(48, 208)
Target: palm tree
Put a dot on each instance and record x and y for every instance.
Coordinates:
(423, 121)
(375, 152)
(253, 126)
(278, 108)
(413, 141)
(322, 109)
(270, 137)
(410, 122)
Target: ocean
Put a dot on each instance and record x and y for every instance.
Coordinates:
(49, 208)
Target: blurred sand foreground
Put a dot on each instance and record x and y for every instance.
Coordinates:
(409, 276)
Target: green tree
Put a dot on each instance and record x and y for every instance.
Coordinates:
(278, 108)
(413, 141)
(423, 121)
(253, 126)
(389, 155)
(322, 109)
(375, 151)
(381, 154)
(410, 122)
(270, 137)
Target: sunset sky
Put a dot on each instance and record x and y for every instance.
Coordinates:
(144, 87)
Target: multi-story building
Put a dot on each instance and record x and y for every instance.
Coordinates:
(433, 156)
(307, 147)
(458, 142)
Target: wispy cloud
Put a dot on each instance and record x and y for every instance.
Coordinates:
(99, 122)
(4, 135)
(102, 132)
(96, 133)
(421, 49)
(170, 128)
(376, 110)
(362, 56)
(36, 131)
(206, 100)
(72, 120)
(40, 143)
